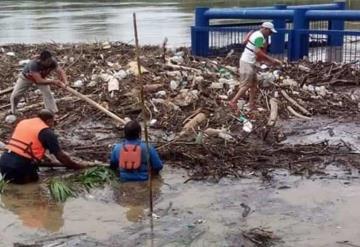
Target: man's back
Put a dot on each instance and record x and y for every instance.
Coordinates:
(140, 174)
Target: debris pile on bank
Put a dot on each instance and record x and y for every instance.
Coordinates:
(186, 101)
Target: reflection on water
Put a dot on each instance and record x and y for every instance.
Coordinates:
(74, 21)
(195, 213)
(33, 208)
(135, 197)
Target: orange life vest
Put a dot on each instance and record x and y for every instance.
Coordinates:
(130, 157)
(259, 56)
(25, 141)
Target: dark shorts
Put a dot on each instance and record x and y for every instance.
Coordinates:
(17, 169)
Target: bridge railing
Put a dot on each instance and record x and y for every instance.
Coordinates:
(306, 30)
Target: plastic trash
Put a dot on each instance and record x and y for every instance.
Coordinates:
(160, 94)
(174, 84)
(321, 90)
(23, 62)
(113, 85)
(198, 79)
(266, 78)
(247, 125)
(224, 73)
(241, 103)
(289, 82)
(199, 138)
(127, 119)
(121, 74)
(92, 84)
(152, 122)
(10, 119)
(177, 59)
(78, 84)
(180, 53)
(264, 66)
(216, 85)
(277, 74)
(106, 45)
(11, 54)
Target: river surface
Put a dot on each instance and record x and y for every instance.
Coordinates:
(88, 21)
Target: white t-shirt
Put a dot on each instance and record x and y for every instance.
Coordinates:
(256, 40)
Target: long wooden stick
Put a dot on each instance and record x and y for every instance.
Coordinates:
(144, 116)
(96, 105)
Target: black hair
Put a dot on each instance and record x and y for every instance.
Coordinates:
(132, 130)
(45, 115)
(44, 55)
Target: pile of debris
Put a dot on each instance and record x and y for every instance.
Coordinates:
(186, 102)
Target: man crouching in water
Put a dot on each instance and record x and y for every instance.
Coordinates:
(129, 156)
(27, 146)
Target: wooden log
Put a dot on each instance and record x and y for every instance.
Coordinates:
(40, 104)
(292, 101)
(296, 114)
(96, 105)
(274, 112)
(193, 123)
(6, 91)
(197, 111)
(178, 67)
(152, 87)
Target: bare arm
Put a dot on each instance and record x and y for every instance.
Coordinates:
(62, 75)
(67, 161)
(40, 80)
(263, 55)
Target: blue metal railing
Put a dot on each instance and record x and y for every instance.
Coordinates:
(299, 27)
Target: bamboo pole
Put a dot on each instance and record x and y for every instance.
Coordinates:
(96, 105)
(144, 116)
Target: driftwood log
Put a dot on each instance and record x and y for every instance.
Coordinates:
(274, 112)
(292, 101)
(296, 114)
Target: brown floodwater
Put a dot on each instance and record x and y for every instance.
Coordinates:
(316, 211)
(302, 212)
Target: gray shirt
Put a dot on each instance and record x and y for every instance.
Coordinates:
(36, 66)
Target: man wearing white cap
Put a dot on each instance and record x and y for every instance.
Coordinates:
(255, 45)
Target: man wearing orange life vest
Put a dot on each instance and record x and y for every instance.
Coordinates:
(129, 156)
(27, 147)
(253, 52)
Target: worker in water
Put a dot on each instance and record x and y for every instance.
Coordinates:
(27, 146)
(130, 156)
(255, 50)
(34, 73)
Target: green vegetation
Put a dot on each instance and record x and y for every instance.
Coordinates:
(63, 188)
(95, 177)
(60, 190)
(3, 184)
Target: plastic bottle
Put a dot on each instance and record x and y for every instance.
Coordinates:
(247, 125)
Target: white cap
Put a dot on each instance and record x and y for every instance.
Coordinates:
(269, 25)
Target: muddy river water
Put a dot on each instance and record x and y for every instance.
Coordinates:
(24, 21)
(317, 211)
